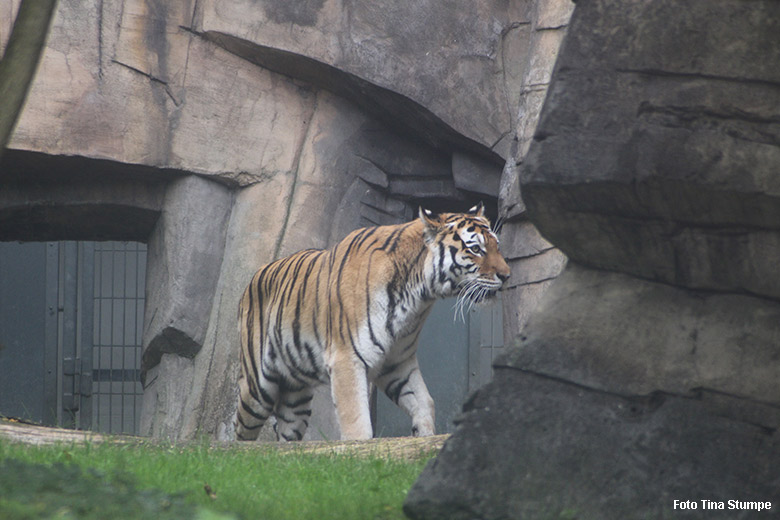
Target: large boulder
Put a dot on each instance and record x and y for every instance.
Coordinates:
(648, 374)
(530, 446)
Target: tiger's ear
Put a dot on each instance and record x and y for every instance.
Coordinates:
(478, 210)
(431, 224)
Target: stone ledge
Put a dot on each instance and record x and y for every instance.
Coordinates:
(407, 448)
(533, 447)
(643, 336)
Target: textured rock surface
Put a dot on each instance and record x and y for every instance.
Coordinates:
(649, 370)
(181, 280)
(440, 69)
(530, 446)
(137, 88)
(534, 261)
(653, 337)
(677, 181)
(144, 84)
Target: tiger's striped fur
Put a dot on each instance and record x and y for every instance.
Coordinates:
(351, 315)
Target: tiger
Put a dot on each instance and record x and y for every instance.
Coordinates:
(351, 316)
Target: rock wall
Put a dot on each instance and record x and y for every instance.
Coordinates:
(535, 262)
(649, 371)
(227, 134)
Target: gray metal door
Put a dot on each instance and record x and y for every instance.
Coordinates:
(42, 286)
(27, 324)
(455, 359)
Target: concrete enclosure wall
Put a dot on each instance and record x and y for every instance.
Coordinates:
(227, 134)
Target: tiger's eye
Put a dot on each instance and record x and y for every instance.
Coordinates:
(476, 250)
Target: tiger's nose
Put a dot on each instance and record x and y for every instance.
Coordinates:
(503, 276)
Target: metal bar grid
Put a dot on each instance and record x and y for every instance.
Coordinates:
(119, 279)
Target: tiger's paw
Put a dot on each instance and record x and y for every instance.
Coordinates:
(423, 430)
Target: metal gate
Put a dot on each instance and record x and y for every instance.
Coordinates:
(118, 314)
(71, 318)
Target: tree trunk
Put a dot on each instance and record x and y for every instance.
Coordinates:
(20, 61)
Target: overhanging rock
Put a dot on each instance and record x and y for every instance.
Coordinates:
(657, 151)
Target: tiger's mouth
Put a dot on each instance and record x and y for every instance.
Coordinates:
(475, 292)
(489, 295)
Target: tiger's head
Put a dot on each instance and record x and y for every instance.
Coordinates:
(465, 257)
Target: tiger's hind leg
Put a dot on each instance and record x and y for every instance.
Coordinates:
(256, 402)
(403, 384)
(293, 413)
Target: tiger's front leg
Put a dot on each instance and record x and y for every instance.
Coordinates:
(349, 389)
(403, 384)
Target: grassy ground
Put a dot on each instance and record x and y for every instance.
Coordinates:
(142, 480)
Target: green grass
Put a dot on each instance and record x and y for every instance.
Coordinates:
(144, 480)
